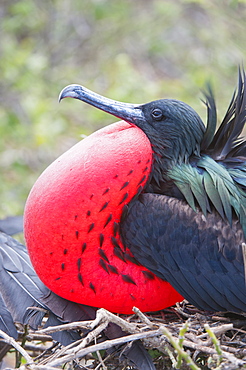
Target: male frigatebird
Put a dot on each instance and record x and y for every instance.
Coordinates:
(151, 200)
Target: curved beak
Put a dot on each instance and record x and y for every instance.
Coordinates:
(127, 112)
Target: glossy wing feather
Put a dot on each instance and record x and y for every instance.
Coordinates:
(21, 288)
(200, 256)
(212, 118)
(6, 321)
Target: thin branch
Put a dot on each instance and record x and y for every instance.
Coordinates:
(13, 343)
(104, 345)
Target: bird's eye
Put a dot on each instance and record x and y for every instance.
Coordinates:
(157, 114)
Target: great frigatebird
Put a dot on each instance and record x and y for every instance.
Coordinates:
(180, 212)
(152, 200)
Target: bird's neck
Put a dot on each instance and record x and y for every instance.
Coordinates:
(160, 181)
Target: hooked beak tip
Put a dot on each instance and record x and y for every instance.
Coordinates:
(70, 91)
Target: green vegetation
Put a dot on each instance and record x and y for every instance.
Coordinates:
(132, 51)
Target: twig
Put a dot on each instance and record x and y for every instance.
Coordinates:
(212, 351)
(100, 359)
(89, 338)
(218, 330)
(104, 345)
(69, 326)
(104, 315)
(16, 345)
(144, 318)
(38, 337)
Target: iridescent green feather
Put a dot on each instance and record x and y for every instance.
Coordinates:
(217, 179)
(210, 184)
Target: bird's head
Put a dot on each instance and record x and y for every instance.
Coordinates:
(174, 129)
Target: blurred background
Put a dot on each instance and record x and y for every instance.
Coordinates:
(133, 51)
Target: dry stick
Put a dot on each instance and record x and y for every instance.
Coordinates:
(101, 361)
(100, 358)
(104, 315)
(150, 342)
(69, 326)
(176, 345)
(35, 347)
(102, 319)
(212, 351)
(236, 350)
(16, 345)
(60, 352)
(144, 318)
(41, 357)
(105, 360)
(40, 367)
(73, 348)
(104, 345)
(218, 330)
(40, 338)
(89, 338)
(219, 351)
(112, 318)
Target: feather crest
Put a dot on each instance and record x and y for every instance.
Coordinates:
(218, 177)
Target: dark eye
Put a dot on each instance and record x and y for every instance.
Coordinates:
(157, 114)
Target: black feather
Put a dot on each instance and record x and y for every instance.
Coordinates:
(23, 292)
(6, 321)
(21, 288)
(212, 118)
(226, 142)
(201, 257)
(216, 179)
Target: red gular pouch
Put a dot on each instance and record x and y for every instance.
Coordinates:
(72, 223)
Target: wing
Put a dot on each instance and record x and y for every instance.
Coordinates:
(200, 256)
(6, 321)
(22, 292)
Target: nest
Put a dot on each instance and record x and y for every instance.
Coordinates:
(181, 337)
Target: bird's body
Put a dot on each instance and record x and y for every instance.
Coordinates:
(139, 204)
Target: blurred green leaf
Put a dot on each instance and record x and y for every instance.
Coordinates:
(133, 51)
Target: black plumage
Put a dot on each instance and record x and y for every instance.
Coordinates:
(201, 257)
(189, 224)
(22, 292)
(195, 240)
